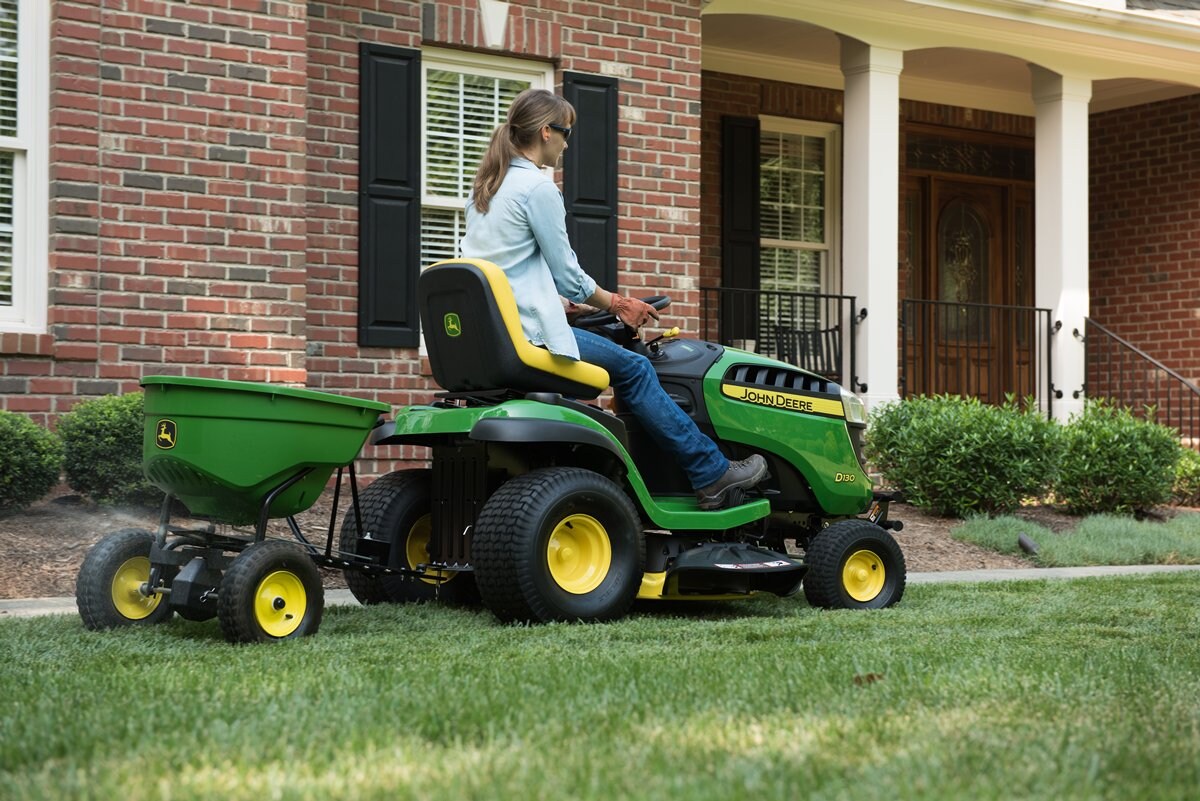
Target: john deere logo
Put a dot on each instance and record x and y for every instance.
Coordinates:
(165, 438)
(453, 324)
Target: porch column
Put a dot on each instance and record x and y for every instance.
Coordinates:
(1061, 223)
(870, 192)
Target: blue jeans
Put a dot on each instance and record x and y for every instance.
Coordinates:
(636, 382)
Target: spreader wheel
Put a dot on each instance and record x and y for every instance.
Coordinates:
(854, 564)
(111, 588)
(395, 509)
(558, 543)
(271, 591)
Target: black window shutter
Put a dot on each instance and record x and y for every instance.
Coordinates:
(740, 228)
(590, 175)
(389, 195)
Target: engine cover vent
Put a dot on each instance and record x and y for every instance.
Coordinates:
(780, 378)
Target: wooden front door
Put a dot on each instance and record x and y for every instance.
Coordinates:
(972, 265)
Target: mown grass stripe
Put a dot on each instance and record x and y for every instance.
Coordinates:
(1056, 690)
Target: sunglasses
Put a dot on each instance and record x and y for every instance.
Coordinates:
(562, 129)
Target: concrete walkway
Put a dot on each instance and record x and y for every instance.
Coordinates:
(35, 607)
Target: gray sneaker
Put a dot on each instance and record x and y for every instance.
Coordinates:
(740, 475)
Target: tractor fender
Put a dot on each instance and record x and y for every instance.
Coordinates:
(520, 429)
(382, 434)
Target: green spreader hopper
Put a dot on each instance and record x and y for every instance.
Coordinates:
(222, 447)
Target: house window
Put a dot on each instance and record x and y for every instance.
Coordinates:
(798, 213)
(23, 176)
(465, 98)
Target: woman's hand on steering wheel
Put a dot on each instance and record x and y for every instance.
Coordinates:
(630, 311)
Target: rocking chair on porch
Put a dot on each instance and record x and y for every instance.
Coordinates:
(816, 350)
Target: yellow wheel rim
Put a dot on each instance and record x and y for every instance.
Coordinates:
(579, 554)
(416, 550)
(280, 603)
(127, 589)
(863, 575)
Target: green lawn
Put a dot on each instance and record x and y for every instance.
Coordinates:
(1057, 690)
(1097, 540)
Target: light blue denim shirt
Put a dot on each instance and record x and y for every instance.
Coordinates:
(524, 233)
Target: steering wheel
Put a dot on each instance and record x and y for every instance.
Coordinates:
(597, 319)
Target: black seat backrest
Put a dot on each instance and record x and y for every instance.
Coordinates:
(473, 335)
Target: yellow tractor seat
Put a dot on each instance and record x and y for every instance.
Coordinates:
(474, 339)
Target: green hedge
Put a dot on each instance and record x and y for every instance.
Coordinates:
(958, 456)
(1186, 491)
(1113, 461)
(103, 443)
(30, 464)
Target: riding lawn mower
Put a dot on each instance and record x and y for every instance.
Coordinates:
(537, 502)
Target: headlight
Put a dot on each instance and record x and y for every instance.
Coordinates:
(855, 409)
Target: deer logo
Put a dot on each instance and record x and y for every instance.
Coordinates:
(165, 437)
(452, 324)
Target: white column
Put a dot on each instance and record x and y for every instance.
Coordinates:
(871, 186)
(1061, 223)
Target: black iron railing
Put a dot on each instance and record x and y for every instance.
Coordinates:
(1122, 373)
(975, 350)
(812, 331)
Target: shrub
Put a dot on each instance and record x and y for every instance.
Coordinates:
(1187, 478)
(32, 460)
(957, 456)
(103, 444)
(1115, 462)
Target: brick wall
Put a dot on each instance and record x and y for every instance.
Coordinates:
(646, 45)
(1145, 228)
(204, 168)
(177, 180)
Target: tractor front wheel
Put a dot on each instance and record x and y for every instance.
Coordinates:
(271, 591)
(558, 543)
(854, 564)
(111, 588)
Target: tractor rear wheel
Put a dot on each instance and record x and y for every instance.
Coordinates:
(271, 591)
(854, 564)
(109, 589)
(558, 543)
(396, 509)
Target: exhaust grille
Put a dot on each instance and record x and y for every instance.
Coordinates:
(779, 378)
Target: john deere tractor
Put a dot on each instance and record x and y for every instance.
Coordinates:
(545, 506)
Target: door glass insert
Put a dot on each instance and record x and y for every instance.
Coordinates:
(963, 269)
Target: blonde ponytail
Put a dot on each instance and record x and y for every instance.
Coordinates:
(530, 111)
(493, 167)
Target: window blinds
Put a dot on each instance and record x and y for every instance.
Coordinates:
(8, 67)
(461, 111)
(8, 127)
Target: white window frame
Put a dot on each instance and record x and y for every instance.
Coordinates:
(539, 75)
(831, 276)
(31, 176)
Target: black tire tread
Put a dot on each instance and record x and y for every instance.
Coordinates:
(373, 501)
(378, 503)
(825, 554)
(234, 600)
(494, 545)
(506, 526)
(93, 586)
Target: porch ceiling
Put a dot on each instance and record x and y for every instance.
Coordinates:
(972, 54)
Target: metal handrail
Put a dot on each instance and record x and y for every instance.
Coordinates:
(756, 319)
(1120, 371)
(983, 350)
